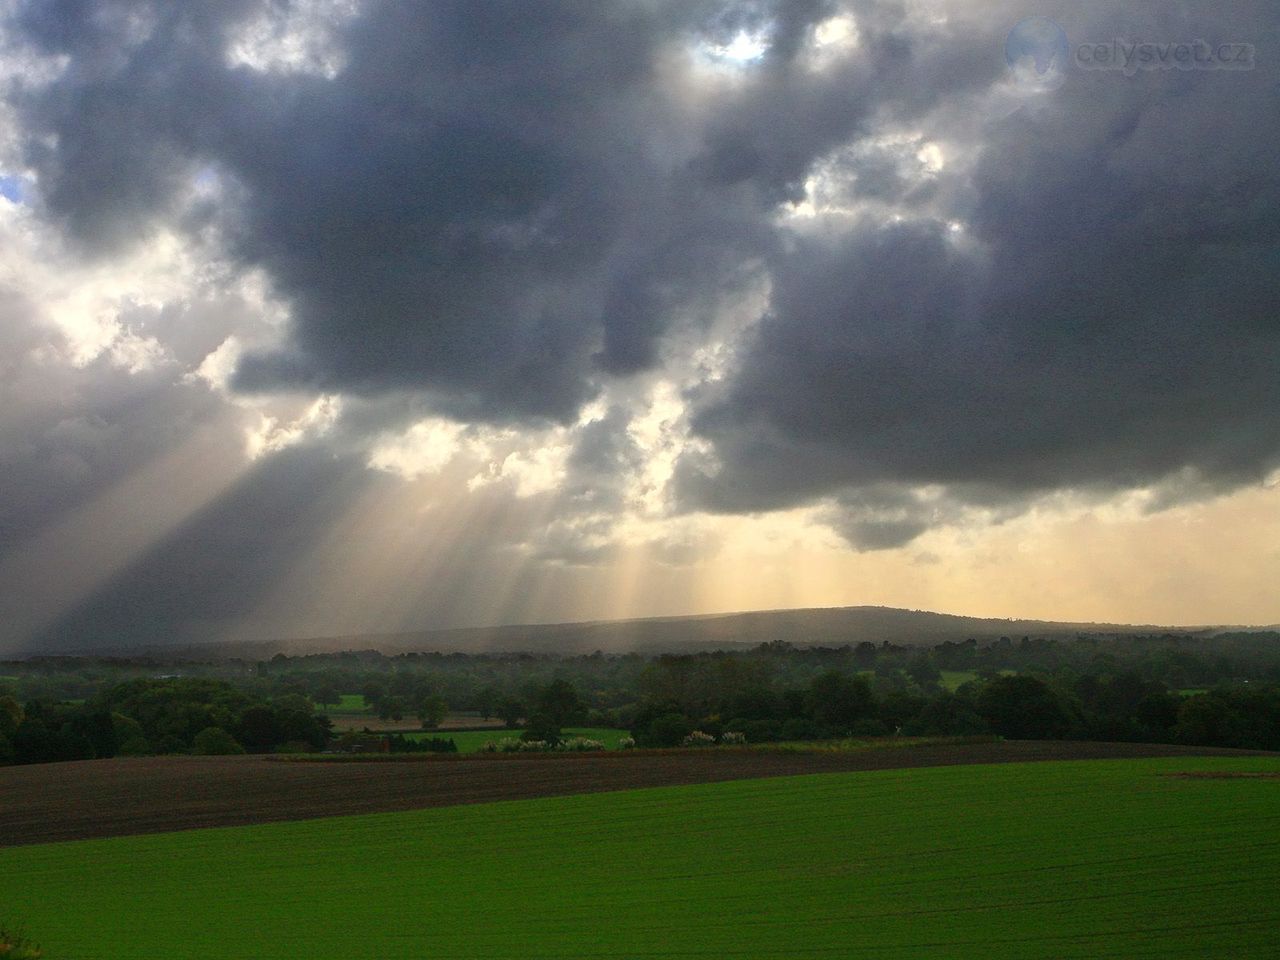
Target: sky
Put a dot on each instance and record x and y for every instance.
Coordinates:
(339, 316)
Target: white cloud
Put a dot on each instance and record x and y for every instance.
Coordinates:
(271, 435)
(425, 448)
(298, 38)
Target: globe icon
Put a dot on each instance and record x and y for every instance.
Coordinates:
(1037, 53)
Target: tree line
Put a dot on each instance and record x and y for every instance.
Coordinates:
(1221, 691)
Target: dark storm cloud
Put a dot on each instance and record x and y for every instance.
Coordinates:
(486, 204)
(1107, 319)
(493, 210)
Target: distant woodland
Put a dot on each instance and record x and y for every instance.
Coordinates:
(1213, 691)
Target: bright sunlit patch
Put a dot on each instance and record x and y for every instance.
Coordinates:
(216, 369)
(96, 307)
(931, 158)
(743, 48)
(297, 38)
(838, 31)
(271, 435)
(833, 41)
(425, 448)
(659, 434)
(536, 465)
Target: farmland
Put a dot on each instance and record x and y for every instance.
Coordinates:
(471, 741)
(348, 703)
(1066, 859)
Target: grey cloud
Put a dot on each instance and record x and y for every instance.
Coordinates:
(67, 434)
(496, 210)
(1107, 321)
(481, 206)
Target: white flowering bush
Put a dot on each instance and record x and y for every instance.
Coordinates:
(699, 739)
(627, 743)
(534, 746)
(733, 738)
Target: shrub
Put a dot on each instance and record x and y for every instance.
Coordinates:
(668, 730)
(293, 746)
(215, 742)
(542, 726)
(134, 747)
(580, 744)
(698, 739)
(627, 743)
(733, 738)
(869, 727)
(512, 745)
(402, 744)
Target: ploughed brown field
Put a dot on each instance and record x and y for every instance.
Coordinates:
(99, 798)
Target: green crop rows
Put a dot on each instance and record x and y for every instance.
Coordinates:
(1063, 860)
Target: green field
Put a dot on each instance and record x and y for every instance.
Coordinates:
(953, 680)
(1065, 860)
(470, 741)
(351, 703)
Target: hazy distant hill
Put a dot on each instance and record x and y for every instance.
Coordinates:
(820, 626)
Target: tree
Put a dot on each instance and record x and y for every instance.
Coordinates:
(949, 715)
(373, 691)
(542, 726)
(98, 729)
(1204, 720)
(511, 711)
(839, 700)
(561, 703)
(487, 700)
(432, 710)
(215, 742)
(391, 708)
(11, 716)
(328, 695)
(126, 728)
(923, 670)
(34, 742)
(667, 730)
(134, 747)
(1023, 708)
(258, 729)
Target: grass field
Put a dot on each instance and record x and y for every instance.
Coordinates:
(470, 741)
(953, 680)
(350, 703)
(1073, 859)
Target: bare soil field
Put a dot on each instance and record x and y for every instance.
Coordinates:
(100, 798)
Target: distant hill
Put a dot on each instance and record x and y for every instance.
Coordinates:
(826, 626)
